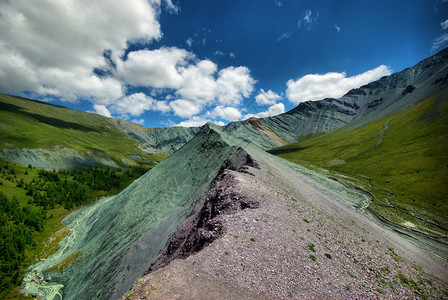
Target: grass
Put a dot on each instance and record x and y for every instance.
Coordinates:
(28, 123)
(313, 258)
(47, 241)
(403, 166)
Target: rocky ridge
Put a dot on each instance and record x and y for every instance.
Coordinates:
(297, 241)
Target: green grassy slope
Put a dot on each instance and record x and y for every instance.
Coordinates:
(401, 159)
(28, 123)
(32, 124)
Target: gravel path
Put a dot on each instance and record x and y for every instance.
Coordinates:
(300, 243)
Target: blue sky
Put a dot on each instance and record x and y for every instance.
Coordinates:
(162, 63)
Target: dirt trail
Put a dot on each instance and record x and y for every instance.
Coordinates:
(301, 242)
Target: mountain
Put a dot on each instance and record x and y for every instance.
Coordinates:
(249, 224)
(50, 136)
(114, 240)
(400, 159)
(44, 127)
(237, 213)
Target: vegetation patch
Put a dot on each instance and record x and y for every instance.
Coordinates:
(33, 203)
(311, 247)
(400, 159)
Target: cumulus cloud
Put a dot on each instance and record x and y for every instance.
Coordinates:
(190, 79)
(72, 50)
(198, 121)
(134, 104)
(334, 85)
(233, 84)
(185, 108)
(198, 83)
(267, 98)
(274, 110)
(138, 121)
(158, 68)
(45, 48)
(226, 113)
(102, 110)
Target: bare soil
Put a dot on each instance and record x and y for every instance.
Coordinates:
(299, 242)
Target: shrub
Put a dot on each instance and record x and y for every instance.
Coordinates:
(313, 258)
(328, 255)
(311, 247)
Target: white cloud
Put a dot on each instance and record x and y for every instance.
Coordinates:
(171, 8)
(278, 3)
(338, 29)
(284, 36)
(219, 52)
(307, 19)
(55, 49)
(134, 104)
(444, 24)
(102, 110)
(439, 42)
(158, 68)
(233, 84)
(198, 83)
(161, 106)
(232, 55)
(226, 113)
(267, 98)
(334, 85)
(185, 108)
(188, 78)
(45, 48)
(197, 121)
(138, 121)
(274, 110)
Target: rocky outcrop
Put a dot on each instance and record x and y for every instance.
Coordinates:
(118, 237)
(204, 226)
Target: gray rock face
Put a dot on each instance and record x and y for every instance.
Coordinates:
(358, 107)
(152, 140)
